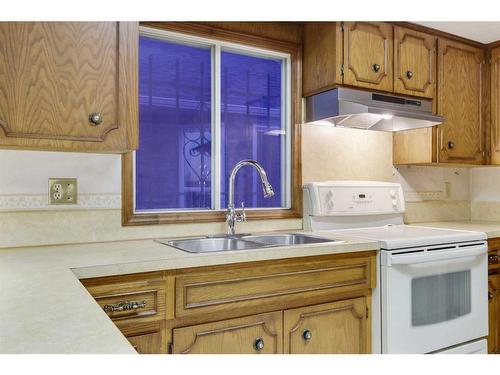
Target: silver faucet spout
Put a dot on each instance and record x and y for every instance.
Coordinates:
(232, 217)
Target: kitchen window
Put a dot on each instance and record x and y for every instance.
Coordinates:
(204, 105)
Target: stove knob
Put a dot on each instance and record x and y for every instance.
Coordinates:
(394, 202)
(392, 193)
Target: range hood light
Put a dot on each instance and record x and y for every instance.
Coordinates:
(386, 116)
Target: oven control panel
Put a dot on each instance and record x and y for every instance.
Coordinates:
(347, 199)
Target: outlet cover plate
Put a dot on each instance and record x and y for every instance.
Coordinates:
(63, 191)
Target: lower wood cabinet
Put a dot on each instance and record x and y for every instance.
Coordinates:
(249, 335)
(331, 328)
(306, 305)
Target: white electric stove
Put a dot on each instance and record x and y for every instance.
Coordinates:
(432, 287)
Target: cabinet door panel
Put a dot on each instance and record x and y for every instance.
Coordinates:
(146, 338)
(494, 313)
(149, 343)
(368, 55)
(460, 69)
(56, 74)
(234, 336)
(414, 62)
(331, 328)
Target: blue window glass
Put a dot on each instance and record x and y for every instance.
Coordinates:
(173, 162)
(251, 127)
(173, 165)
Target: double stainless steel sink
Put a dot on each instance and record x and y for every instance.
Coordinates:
(244, 242)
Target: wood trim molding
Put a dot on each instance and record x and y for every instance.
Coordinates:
(295, 50)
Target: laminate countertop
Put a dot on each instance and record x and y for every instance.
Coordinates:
(45, 309)
(491, 228)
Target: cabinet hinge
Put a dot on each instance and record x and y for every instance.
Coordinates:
(342, 70)
(170, 348)
(342, 26)
(367, 312)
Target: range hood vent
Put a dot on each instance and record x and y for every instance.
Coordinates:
(361, 109)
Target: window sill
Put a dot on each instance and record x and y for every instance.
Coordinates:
(131, 219)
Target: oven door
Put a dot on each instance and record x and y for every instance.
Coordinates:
(433, 298)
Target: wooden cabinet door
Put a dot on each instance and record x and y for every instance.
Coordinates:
(145, 337)
(250, 335)
(460, 68)
(494, 313)
(55, 75)
(368, 55)
(414, 62)
(149, 343)
(495, 106)
(331, 328)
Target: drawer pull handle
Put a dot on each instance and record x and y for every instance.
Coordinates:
(493, 259)
(307, 335)
(258, 344)
(124, 306)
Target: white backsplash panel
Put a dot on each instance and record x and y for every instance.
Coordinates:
(433, 183)
(24, 179)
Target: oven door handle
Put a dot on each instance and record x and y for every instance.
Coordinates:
(433, 256)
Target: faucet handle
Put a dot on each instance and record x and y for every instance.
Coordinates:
(242, 216)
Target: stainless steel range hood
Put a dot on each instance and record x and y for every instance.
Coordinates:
(362, 109)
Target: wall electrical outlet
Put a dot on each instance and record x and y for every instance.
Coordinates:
(63, 191)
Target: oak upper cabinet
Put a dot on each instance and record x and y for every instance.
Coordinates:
(257, 334)
(414, 62)
(69, 86)
(495, 106)
(323, 56)
(461, 68)
(368, 55)
(331, 328)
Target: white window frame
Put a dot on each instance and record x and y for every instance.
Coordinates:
(216, 47)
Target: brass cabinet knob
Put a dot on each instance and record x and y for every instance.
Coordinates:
(258, 344)
(376, 67)
(409, 74)
(451, 145)
(307, 335)
(95, 118)
(490, 295)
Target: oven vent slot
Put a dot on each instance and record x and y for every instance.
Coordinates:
(442, 248)
(409, 252)
(471, 244)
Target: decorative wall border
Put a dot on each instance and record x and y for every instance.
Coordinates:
(30, 202)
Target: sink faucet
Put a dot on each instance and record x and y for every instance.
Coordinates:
(232, 217)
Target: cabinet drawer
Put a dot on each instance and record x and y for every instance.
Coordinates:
(249, 335)
(270, 286)
(130, 297)
(126, 305)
